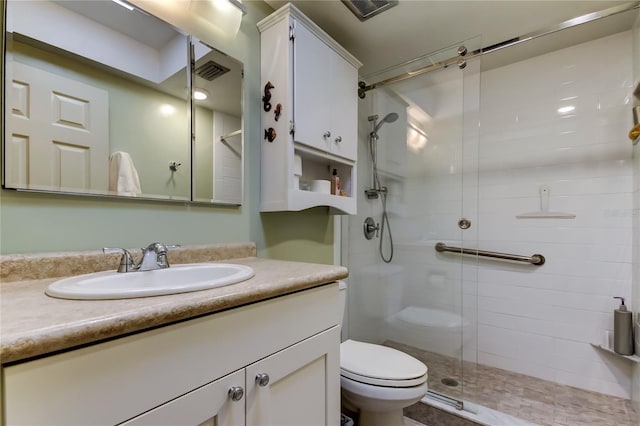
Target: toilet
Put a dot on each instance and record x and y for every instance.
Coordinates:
(377, 381)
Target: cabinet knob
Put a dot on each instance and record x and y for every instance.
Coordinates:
(338, 139)
(236, 393)
(262, 379)
(327, 134)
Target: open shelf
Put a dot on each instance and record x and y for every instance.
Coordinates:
(634, 358)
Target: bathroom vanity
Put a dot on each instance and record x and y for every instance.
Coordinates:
(263, 351)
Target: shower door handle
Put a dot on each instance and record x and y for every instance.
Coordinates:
(464, 223)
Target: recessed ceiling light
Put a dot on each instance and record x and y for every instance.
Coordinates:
(200, 94)
(566, 109)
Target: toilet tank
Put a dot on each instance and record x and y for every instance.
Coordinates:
(342, 297)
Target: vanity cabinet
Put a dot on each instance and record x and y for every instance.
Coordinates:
(205, 371)
(310, 114)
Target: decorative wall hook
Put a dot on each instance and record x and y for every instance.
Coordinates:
(267, 96)
(362, 92)
(270, 134)
(278, 111)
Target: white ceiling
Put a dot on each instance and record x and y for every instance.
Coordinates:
(414, 28)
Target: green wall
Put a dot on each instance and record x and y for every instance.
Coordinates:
(33, 223)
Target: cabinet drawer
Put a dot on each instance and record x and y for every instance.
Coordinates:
(111, 382)
(208, 405)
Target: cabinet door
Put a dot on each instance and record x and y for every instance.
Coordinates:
(344, 108)
(311, 89)
(210, 405)
(303, 388)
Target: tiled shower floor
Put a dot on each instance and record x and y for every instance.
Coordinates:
(528, 398)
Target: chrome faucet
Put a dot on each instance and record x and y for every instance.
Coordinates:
(154, 256)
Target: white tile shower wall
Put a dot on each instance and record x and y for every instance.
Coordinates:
(227, 158)
(635, 382)
(365, 320)
(540, 321)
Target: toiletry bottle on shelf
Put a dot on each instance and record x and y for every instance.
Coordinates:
(622, 329)
(335, 183)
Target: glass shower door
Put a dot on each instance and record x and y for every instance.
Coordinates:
(421, 302)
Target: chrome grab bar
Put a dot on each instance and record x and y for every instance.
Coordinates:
(534, 259)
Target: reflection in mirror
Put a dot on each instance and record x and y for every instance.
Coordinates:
(218, 144)
(96, 103)
(99, 104)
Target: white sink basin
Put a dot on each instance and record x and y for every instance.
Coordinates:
(172, 280)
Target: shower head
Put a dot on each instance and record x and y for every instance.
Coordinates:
(389, 118)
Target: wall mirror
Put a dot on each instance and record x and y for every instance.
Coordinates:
(105, 102)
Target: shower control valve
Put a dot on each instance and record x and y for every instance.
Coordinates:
(370, 228)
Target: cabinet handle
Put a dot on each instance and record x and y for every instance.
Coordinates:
(236, 393)
(262, 379)
(327, 134)
(338, 139)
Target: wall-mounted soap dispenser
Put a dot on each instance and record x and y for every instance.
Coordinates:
(622, 329)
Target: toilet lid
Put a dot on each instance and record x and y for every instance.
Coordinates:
(380, 365)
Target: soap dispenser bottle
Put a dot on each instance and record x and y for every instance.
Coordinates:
(622, 329)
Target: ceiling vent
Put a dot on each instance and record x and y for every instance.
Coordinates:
(211, 70)
(365, 9)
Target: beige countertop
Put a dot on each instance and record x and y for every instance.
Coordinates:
(34, 324)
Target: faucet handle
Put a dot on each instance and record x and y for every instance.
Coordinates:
(126, 261)
(160, 247)
(163, 261)
(154, 256)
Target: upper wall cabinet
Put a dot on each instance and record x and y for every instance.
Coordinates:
(309, 117)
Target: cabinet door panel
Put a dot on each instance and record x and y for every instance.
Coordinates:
(312, 94)
(344, 108)
(208, 405)
(304, 384)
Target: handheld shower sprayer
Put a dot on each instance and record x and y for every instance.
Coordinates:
(376, 189)
(389, 118)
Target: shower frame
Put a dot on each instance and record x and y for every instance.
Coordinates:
(460, 60)
(464, 55)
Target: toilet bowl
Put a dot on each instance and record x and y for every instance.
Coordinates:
(379, 381)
